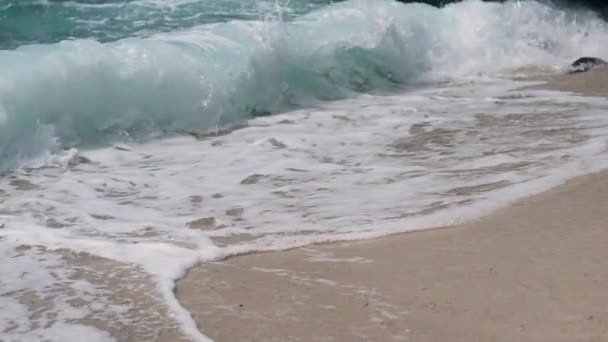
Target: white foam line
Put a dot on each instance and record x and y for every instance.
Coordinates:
(442, 220)
(184, 317)
(203, 169)
(127, 253)
(179, 260)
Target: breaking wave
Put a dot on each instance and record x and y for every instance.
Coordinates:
(89, 92)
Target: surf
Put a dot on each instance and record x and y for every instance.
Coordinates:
(84, 93)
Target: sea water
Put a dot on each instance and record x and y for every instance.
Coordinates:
(160, 134)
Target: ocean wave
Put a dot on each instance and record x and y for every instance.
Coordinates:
(83, 93)
(51, 21)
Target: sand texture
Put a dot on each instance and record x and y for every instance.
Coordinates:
(535, 271)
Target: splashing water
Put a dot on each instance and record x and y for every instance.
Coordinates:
(83, 93)
(388, 117)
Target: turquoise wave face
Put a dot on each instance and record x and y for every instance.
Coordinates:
(50, 21)
(86, 92)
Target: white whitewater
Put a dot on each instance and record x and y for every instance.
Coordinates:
(461, 141)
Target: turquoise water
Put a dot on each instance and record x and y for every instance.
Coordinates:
(51, 21)
(88, 73)
(356, 119)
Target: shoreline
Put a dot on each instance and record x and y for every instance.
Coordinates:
(356, 291)
(469, 282)
(589, 83)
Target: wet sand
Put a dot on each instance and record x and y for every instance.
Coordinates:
(108, 285)
(591, 83)
(534, 271)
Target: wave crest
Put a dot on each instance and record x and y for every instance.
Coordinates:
(87, 93)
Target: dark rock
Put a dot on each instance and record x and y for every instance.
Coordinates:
(585, 64)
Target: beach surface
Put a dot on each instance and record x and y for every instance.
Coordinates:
(534, 271)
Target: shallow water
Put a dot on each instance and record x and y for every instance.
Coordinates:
(352, 169)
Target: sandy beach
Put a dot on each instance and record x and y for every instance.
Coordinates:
(534, 271)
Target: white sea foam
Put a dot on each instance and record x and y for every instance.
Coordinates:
(352, 169)
(221, 73)
(34, 305)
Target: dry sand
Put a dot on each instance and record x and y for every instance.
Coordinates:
(535, 271)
